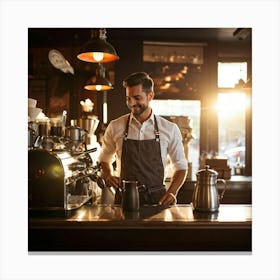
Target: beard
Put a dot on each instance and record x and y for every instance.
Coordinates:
(137, 109)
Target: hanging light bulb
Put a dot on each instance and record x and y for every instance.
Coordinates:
(97, 49)
(99, 81)
(98, 56)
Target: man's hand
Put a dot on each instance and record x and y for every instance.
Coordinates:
(176, 182)
(167, 199)
(112, 181)
(106, 171)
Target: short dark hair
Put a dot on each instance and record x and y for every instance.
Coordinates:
(139, 78)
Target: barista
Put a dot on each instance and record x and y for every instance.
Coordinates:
(140, 142)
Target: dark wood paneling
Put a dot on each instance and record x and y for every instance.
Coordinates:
(54, 239)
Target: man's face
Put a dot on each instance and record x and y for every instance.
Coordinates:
(137, 100)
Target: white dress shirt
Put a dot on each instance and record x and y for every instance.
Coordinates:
(169, 133)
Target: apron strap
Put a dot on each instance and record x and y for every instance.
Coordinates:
(126, 129)
(156, 128)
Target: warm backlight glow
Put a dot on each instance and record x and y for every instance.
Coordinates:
(98, 56)
(231, 104)
(229, 73)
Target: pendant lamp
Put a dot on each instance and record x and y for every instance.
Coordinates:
(97, 49)
(99, 81)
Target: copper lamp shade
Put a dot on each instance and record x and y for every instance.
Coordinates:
(99, 82)
(98, 50)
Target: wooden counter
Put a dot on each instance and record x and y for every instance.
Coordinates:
(154, 228)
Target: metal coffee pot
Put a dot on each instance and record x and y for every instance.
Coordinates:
(130, 196)
(75, 133)
(205, 195)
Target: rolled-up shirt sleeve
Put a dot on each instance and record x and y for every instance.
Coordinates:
(176, 150)
(108, 150)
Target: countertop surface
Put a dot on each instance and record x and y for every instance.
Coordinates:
(152, 215)
(153, 228)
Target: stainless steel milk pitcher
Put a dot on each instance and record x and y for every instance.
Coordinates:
(205, 195)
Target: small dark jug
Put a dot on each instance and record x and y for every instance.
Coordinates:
(130, 196)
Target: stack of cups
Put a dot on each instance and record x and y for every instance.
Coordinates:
(33, 111)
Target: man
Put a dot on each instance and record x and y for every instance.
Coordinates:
(141, 143)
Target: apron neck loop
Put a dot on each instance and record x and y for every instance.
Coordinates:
(156, 128)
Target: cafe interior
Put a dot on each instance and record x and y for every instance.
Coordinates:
(203, 84)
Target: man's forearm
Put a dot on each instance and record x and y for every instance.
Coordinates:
(177, 181)
(108, 176)
(106, 170)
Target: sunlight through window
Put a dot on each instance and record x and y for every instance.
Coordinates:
(231, 116)
(229, 73)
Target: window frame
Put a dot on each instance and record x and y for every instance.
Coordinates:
(248, 113)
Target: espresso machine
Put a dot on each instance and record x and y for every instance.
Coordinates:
(61, 172)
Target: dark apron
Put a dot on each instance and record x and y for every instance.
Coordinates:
(141, 161)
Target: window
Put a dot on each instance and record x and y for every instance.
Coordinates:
(231, 122)
(177, 69)
(229, 73)
(232, 114)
